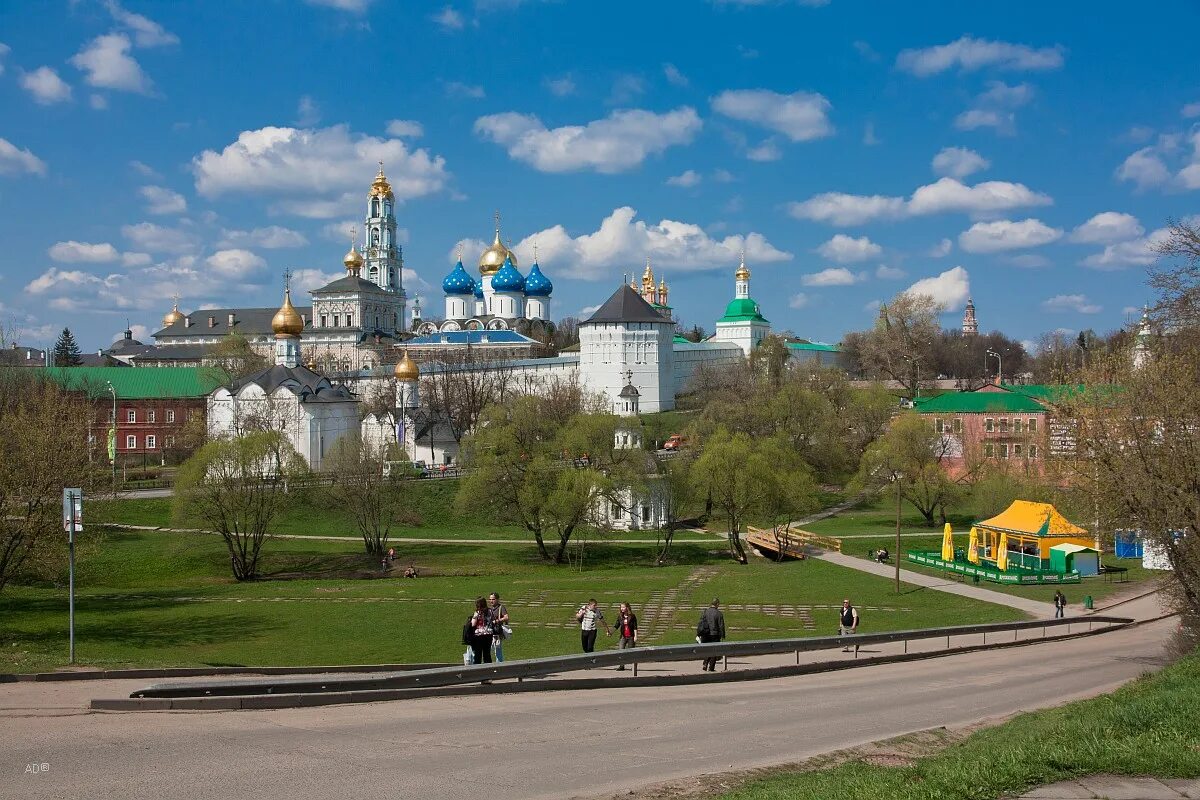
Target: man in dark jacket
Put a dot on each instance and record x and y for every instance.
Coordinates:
(711, 629)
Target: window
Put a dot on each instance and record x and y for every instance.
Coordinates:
(150, 416)
(131, 416)
(170, 416)
(335, 320)
(1032, 426)
(130, 442)
(150, 442)
(939, 426)
(349, 320)
(989, 450)
(1016, 426)
(1004, 451)
(169, 441)
(958, 424)
(1033, 451)
(1016, 451)
(324, 321)
(989, 425)
(1004, 424)
(645, 513)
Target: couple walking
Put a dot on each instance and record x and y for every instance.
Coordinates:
(486, 631)
(589, 616)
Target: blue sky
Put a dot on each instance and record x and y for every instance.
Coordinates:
(1026, 154)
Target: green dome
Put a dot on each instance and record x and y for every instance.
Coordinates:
(741, 310)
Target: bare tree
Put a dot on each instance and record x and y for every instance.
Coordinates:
(375, 501)
(461, 385)
(901, 345)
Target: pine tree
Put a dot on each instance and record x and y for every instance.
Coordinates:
(66, 351)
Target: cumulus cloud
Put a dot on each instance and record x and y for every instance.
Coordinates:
(995, 108)
(969, 54)
(626, 89)
(619, 142)
(160, 200)
(845, 249)
(107, 64)
(1172, 162)
(448, 19)
(1108, 227)
(944, 196)
(405, 129)
(1078, 303)
(800, 116)
(949, 289)
(1190, 111)
(833, 276)
(560, 87)
(1001, 235)
(159, 239)
(767, 151)
(146, 32)
(958, 162)
(622, 242)
(798, 300)
(674, 76)
(467, 90)
(235, 263)
(329, 167)
(45, 86)
(270, 238)
(73, 252)
(15, 161)
(941, 249)
(1139, 252)
(353, 6)
(686, 179)
(884, 272)
(4, 50)
(306, 280)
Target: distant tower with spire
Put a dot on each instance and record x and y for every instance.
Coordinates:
(1141, 344)
(970, 326)
(743, 323)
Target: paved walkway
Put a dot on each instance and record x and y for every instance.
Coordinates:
(1117, 787)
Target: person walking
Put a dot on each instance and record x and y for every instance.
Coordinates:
(626, 628)
(1060, 604)
(848, 622)
(499, 621)
(711, 628)
(481, 632)
(589, 616)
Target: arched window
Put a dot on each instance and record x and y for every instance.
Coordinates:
(375, 207)
(375, 238)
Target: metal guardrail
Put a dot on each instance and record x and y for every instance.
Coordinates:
(538, 667)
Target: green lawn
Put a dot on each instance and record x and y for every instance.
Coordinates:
(148, 598)
(1146, 728)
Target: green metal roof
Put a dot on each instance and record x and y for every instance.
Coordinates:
(814, 346)
(742, 310)
(978, 403)
(138, 383)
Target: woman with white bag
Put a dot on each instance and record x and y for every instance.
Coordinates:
(479, 629)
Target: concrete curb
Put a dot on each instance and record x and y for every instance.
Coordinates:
(198, 672)
(278, 701)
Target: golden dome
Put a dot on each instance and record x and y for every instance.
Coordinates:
(662, 286)
(353, 259)
(492, 258)
(172, 316)
(742, 273)
(287, 321)
(381, 187)
(406, 370)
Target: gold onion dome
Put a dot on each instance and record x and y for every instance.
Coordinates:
(742, 274)
(287, 321)
(492, 258)
(353, 259)
(406, 369)
(172, 316)
(380, 187)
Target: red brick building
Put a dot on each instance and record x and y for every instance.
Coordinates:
(992, 424)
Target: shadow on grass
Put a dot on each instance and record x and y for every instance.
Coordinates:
(213, 628)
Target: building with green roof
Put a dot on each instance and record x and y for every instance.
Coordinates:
(743, 323)
(989, 424)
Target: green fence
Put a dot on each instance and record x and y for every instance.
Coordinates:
(1012, 576)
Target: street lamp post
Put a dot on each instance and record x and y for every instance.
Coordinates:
(897, 477)
(113, 391)
(999, 365)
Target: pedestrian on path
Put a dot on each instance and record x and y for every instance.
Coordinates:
(589, 616)
(711, 628)
(481, 632)
(1060, 604)
(626, 628)
(499, 622)
(848, 622)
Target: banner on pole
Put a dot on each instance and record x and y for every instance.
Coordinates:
(73, 509)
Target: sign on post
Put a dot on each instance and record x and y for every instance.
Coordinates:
(73, 510)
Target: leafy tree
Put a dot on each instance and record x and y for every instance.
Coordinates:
(235, 357)
(771, 359)
(901, 345)
(66, 351)
(790, 493)
(237, 487)
(675, 487)
(375, 501)
(733, 473)
(911, 452)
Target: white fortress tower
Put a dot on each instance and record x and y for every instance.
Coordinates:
(743, 323)
(628, 343)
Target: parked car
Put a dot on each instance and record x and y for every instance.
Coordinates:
(674, 442)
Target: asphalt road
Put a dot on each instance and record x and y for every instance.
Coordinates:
(543, 745)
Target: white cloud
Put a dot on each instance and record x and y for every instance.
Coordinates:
(160, 200)
(1003, 234)
(949, 289)
(974, 118)
(353, 6)
(1078, 303)
(884, 272)
(73, 252)
(800, 116)
(340, 231)
(833, 276)
(969, 54)
(448, 19)
(941, 249)
(1133, 253)
(674, 76)
(686, 179)
(97, 101)
(235, 263)
(626, 89)
(405, 129)
(560, 87)
(135, 259)
(45, 86)
(845, 249)
(307, 112)
(15, 160)
(723, 176)
(1173, 162)
(146, 32)
(4, 50)
(1107, 227)
(108, 65)
(958, 162)
(144, 169)
(798, 300)
(767, 151)
(994, 108)
(619, 142)
(316, 164)
(271, 237)
(1145, 168)
(460, 89)
(622, 242)
(305, 280)
(944, 196)
(1190, 111)
(158, 239)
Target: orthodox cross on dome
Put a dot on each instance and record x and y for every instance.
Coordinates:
(460, 251)
(497, 216)
(287, 280)
(629, 376)
(381, 167)
(535, 251)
